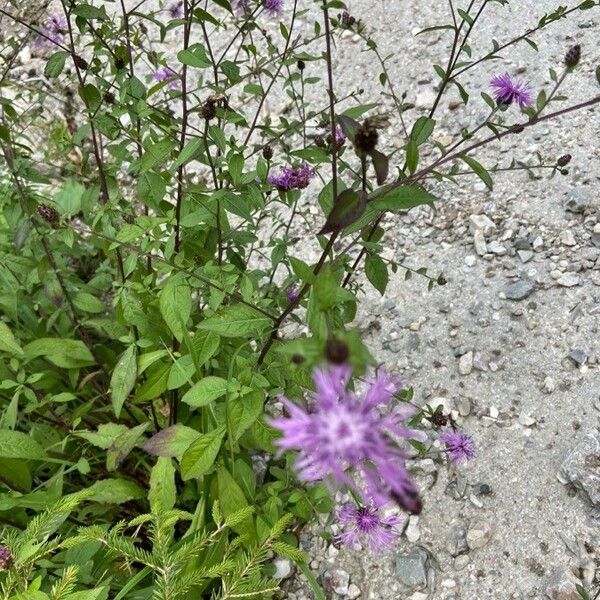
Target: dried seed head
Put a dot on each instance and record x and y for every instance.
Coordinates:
(80, 62)
(336, 351)
(366, 138)
(208, 110)
(441, 280)
(319, 141)
(564, 160)
(267, 152)
(109, 97)
(573, 56)
(48, 213)
(348, 21)
(301, 65)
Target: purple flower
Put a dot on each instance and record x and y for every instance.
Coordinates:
(6, 559)
(289, 179)
(364, 523)
(340, 136)
(273, 7)
(292, 293)
(167, 74)
(352, 439)
(175, 10)
(240, 6)
(52, 33)
(508, 90)
(460, 446)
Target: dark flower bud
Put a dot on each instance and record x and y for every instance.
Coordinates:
(319, 141)
(298, 359)
(143, 28)
(336, 351)
(564, 171)
(109, 97)
(80, 62)
(348, 21)
(301, 65)
(366, 138)
(441, 280)
(6, 559)
(573, 56)
(48, 213)
(517, 129)
(564, 160)
(120, 63)
(208, 110)
(267, 152)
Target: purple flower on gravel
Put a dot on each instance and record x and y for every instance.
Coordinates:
(508, 90)
(5, 558)
(175, 10)
(289, 179)
(366, 524)
(167, 74)
(340, 136)
(460, 446)
(352, 438)
(51, 33)
(292, 293)
(273, 7)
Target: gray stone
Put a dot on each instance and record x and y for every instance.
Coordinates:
(497, 248)
(578, 201)
(460, 562)
(479, 534)
(465, 363)
(568, 280)
(578, 356)
(561, 585)
(457, 541)
(479, 242)
(581, 468)
(481, 222)
(337, 581)
(283, 568)
(519, 290)
(412, 569)
(525, 255)
(463, 405)
(567, 238)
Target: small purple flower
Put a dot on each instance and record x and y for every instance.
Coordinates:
(508, 90)
(273, 7)
(460, 446)
(167, 74)
(6, 559)
(290, 179)
(352, 439)
(239, 6)
(175, 10)
(340, 136)
(364, 523)
(52, 33)
(292, 293)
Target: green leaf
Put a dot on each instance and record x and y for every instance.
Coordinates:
(194, 56)
(412, 156)
(106, 435)
(207, 390)
(377, 273)
(232, 500)
(123, 378)
(88, 303)
(401, 198)
(422, 129)
(244, 411)
(479, 170)
(8, 342)
(15, 444)
(155, 384)
(91, 96)
(56, 64)
(326, 289)
(171, 442)
(115, 491)
(123, 445)
(68, 354)
(302, 270)
(87, 11)
(199, 458)
(190, 151)
(15, 475)
(237, 320)
(156, 154)
(163, 493)
(206, 343)
(348, 207)
(176, 306)
(68, 200)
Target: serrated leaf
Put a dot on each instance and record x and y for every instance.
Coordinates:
(8, 342)
(236, 320)
(65, 353)
(205, 391)
(56, 64)
(123, 378)
(163, 493)
(176, 306)
(172, 441)
(199, 458)
(16, 444)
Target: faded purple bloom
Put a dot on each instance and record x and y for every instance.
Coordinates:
(290, 179)
(508, 90)
(5, 558)
(340, 136)
(365, 524)
(292, 293)
(167, 74)
(175, 10)
(352, 438)
(52, 33)
(460, 446)
(239, 6)
(273, 7)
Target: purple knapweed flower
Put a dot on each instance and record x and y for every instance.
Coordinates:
(460, 446)
(167, 74)
(292, 293)
(352, 439)
(175, 10)
(508, 90)
(340, 136)
(273, 7)
(51, 33)
(6, 559)
(366, 524)
(289, 179)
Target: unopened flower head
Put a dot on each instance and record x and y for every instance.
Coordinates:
(366, 524)
(289, 179)
(292, 293)
(508, 90)
(167, 74)
(352, 438)
(460, 446)
(51, 33)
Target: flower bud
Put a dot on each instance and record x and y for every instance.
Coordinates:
(267, 152)
(301, 65)
(564, 160)
(109, 97)
(573, 56)
(336, 351)
(80, 62)
(48, 213)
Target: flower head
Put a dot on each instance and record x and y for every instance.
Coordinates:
(175, 9)
(5, 558)
(340, 136)
(508, 90)
(288, 178)
(51, 33)
(167, 74)
(352, 439)
(292, 293)
(364, 523)
(273, 7)
(460, 446)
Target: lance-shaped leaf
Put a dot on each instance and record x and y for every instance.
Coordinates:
(348, 207)
(349, 126)
(381, 164)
